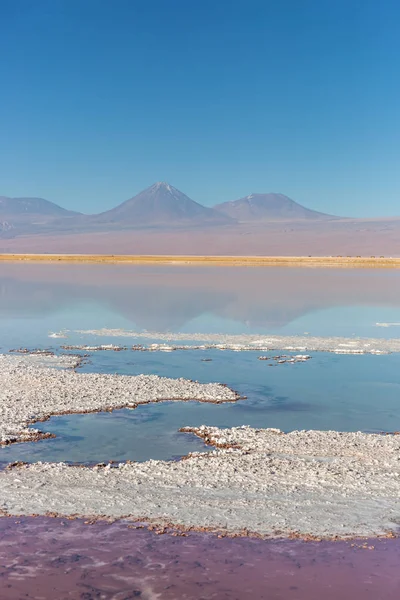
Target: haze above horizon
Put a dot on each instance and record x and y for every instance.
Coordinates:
(222, 99)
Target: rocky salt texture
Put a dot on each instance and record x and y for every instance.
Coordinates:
(260, 481)
(241, 342)
(32, 389)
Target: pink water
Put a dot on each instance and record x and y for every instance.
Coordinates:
(55, 559)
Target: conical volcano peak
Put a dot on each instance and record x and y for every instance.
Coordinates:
(162, 204)
(162, 187)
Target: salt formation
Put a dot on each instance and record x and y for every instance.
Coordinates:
(30, 390)
(262, 481)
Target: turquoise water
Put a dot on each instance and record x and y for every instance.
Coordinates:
(347, 393)
(329, 391)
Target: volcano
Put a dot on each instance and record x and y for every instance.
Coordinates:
(268, 207)
(161, 205)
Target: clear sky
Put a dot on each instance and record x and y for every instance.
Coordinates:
(221, 98)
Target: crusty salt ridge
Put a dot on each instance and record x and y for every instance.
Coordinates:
(320, 483)
(291, 358)
(261, 343)
(43, 359)
(30, 391)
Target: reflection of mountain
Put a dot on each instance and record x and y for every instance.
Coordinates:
(165, 309)
(142, 302)
(27, 299)
(167, 298)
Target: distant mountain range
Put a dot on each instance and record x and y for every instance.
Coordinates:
(26, 215)
(163, 220)
(268, 207)
(160, 206)
(33, 206)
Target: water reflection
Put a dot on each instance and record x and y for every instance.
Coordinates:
(172, 298)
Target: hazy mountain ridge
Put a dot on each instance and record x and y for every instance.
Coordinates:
(163, 220)
(160, 206)
(271, 207)
(30, 215)
(32, 206)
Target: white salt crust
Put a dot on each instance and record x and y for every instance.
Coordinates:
(241, 342)
(319, 483)
(30, 391)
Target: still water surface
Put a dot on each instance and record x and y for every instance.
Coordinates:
(49, 559)
(52, 558)
(327, 392)
(346, 393)
(36, 299)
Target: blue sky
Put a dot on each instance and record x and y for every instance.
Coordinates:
(99, 99)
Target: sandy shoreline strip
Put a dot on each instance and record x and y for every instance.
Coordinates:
(259, 481)
(266, 261)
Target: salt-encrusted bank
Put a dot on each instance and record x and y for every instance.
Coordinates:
(261, 481)
(30, 391)
(260, 343)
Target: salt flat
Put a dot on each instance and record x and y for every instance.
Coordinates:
(32, 391)
(261, 481)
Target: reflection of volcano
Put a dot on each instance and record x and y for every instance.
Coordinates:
(19, 298)
(141, 300)
(165, 309)
(167, 298)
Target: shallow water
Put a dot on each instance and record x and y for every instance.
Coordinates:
(59, 559)
(50, 558)
(327, 392)
(38, 298)
(346, 393)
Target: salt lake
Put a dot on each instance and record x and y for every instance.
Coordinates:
(328, 391)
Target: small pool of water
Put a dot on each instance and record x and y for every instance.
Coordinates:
(339, 392)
